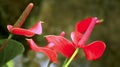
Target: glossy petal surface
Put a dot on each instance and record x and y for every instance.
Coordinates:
(83, 25)
(61, 45)
(76, 36)
(36, 29)
(94, 50)
(50, 53)
(20, 31)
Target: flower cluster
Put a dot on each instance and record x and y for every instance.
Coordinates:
(58, 43)
(79, 37)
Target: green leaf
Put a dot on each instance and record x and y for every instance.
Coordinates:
(10, 63)
(11, 50)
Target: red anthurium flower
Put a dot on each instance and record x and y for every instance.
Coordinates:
(51, 49)
(82, 32)
(59, 43)
(52, 45)
(36, 29)
(94, 50)
(50, 53)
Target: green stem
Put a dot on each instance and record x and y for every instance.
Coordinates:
(6, 41)
(72, 57)
(65, 62)
(10, 36)
(49, 64)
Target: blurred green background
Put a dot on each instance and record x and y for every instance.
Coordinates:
(62, 15)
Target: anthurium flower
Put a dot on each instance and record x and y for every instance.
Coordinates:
(56, 44)
(50, 50)
(50, 53)
(79, 38)
(93, 50)
(61, 44)
(36, 29)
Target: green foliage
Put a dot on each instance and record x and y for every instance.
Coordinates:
(11, 50)
(10, 63)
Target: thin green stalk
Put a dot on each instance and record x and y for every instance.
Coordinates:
(49, 63)
(72, 57)
(6, 41)
(10, 36)
(65, 62)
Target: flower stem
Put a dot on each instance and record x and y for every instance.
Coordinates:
(10, 36)
(65, 62)
(72, 57)
(6, 41)
(49, 62)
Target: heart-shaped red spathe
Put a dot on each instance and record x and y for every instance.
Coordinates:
(82, 26)
(36, 29)
(50, 53)
(94, 50)
(83, 30)
(61, 45)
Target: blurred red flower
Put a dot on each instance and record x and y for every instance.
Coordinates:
(36, 29)
(50, 53)
(79, 37)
